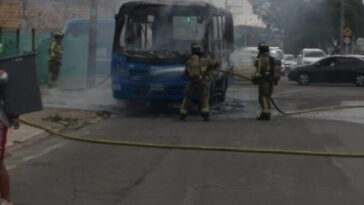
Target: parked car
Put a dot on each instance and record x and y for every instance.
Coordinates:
(334, 69)
(356, 55)
(288, 63)
(310, 55)
(277, 53)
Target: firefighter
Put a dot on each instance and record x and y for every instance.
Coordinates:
(6, 120)
(197, 71)
(55, 53)
(264, 78)
(1, 49)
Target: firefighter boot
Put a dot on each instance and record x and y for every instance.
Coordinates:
(183, 117)
(264, 117)
(205, 117)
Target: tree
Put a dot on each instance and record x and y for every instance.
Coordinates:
(309, 23)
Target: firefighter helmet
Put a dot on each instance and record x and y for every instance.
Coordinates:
(197, 48)
(58, 35)
(263, 47)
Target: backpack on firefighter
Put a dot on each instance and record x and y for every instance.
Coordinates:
(276, 66)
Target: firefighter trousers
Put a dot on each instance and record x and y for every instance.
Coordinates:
(203, 89)
(265, 93)
(53, 68)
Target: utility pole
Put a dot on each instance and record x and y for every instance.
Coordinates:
(342, 25)
(240, 7)
(23, 24)
(64, 10)
(91, 67)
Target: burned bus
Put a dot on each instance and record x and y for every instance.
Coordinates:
(152, 43)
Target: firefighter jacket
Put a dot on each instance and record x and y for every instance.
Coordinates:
(55, 52)
(199, 67)
(264, 68)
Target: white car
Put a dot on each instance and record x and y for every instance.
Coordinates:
(277, 53)
(310, 55)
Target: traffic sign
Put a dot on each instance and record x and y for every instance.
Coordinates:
(347, 40)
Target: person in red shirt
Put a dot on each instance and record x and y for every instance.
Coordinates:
(6, 121)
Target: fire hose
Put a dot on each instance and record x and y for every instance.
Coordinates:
(298, 112)
(210, 148)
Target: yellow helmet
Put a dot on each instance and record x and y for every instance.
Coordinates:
(197, 48)
(58, 35)
(263, 47)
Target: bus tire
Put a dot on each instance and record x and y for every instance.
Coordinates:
(212, 96)
(224, 90)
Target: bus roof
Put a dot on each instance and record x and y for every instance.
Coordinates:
(130, 7)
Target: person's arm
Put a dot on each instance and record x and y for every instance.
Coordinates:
(60, 49)
(15, 123)
(187, 70)
(260, 65)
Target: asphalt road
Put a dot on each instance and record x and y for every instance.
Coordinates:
(61, 172)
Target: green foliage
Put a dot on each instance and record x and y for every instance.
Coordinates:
(309, 23)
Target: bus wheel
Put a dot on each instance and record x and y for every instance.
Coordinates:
(213, 98)
(222, 96)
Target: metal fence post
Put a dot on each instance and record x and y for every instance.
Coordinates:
(33, 39)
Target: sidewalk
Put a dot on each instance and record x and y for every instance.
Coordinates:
(54, 118)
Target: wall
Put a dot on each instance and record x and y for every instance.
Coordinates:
(47, 15)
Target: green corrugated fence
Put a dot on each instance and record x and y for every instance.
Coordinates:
(10, 44)
(73, 72)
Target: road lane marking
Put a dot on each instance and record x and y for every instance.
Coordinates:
(35, 156)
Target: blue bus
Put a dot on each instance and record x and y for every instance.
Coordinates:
(152, 44)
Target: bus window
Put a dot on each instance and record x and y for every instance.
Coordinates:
(187, 28)
(170, 33)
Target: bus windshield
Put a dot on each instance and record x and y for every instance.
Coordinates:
(187, 28)
(161, 30)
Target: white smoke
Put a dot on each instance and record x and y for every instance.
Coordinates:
(243, 61)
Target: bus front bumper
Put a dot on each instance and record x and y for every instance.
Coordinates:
(148, 91)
